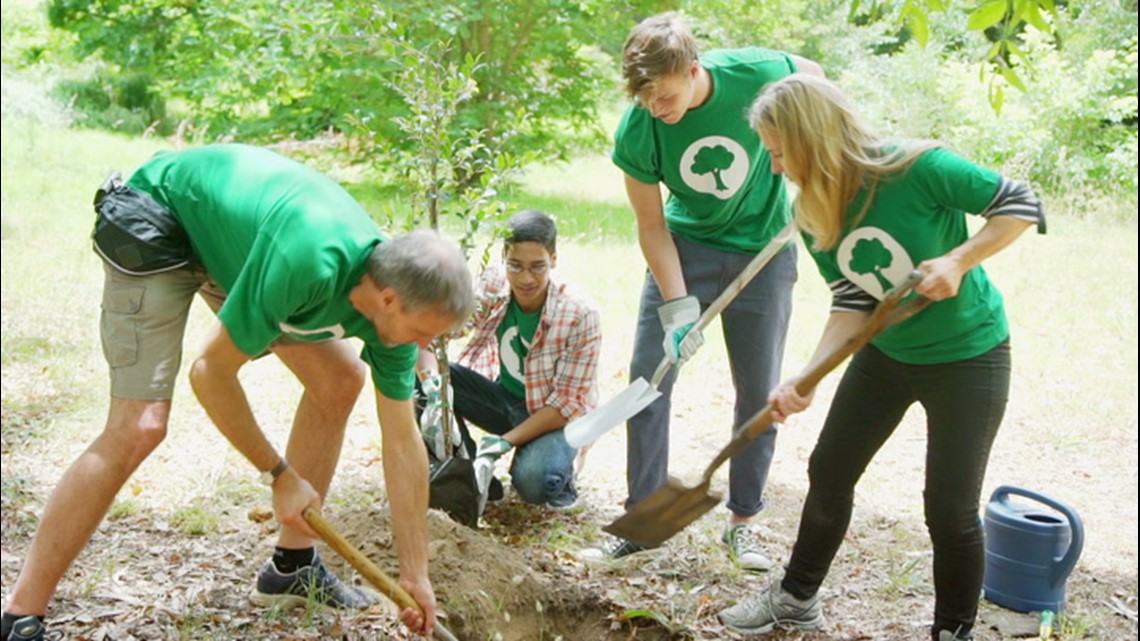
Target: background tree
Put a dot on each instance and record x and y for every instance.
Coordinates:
(547, 72)
(295, 68)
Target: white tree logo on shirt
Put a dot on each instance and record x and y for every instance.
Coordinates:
(715, 165)
(873, 260)
(510, 349)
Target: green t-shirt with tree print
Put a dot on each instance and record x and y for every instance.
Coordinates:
(722, 192)
(515, 335)
(914, 217)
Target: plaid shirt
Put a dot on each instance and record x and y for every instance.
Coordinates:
(561, 369)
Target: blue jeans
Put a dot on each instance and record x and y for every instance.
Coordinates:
(755, 325)
(542, 469)
(964, 403)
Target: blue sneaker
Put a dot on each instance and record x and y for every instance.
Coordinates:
(305, 585)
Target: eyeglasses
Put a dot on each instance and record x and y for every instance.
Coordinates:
(535, 270)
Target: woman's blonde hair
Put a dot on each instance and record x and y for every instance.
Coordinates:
(828, 151)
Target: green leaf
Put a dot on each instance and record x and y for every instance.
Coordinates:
(919, 26)
(1015, 50)
(1020, 8)
(994, 50)
(997, 97)
(987, 15)
(650, 614)
(1033, 16)
(1011, 77)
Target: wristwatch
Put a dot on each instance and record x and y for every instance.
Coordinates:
(269, 476)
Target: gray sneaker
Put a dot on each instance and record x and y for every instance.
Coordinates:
(947, 635)
(774, 607)
(745, 549)
(309, 584)
(30, 628)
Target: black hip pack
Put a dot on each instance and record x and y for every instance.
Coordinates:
(135, 234)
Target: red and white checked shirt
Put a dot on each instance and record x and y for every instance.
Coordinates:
(561, 369)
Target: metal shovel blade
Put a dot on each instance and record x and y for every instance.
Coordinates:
(640, 394)
(587, 429)
(664, 513)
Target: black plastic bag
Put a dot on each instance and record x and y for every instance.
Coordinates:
(452, 489)
(135, 234)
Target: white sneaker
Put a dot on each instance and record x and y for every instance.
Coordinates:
(744, 548)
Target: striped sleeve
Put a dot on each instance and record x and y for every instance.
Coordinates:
(848, 297)
(1015, 199)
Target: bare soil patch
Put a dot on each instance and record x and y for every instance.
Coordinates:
(518, 577)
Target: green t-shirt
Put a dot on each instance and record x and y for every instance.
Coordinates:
(912, 218)
(284, 242)
(722, 192)
(515, 335)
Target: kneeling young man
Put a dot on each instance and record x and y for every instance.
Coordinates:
(530, 366)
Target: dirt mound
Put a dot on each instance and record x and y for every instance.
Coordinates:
(488, 590)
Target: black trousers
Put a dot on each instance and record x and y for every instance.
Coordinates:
(964, 403)
(541, 469)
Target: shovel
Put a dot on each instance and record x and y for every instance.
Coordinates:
(671, 508)
(585, 430)
(387, 586)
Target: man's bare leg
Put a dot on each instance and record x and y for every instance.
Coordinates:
(333, 376)
(83, 495)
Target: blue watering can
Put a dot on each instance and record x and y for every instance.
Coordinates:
(1030, 551)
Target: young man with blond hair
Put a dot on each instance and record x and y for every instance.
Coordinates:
(687, 130)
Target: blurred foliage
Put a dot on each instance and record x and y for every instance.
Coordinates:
(295, 68)
(1069, 126)
(1072, 129)
(539, 75)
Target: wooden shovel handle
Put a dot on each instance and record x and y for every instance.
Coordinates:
(782, 238)
(387, 586)
(887, 313)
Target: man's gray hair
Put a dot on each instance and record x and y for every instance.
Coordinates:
(426, 271)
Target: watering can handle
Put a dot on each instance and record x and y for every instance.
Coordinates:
(1062, 568)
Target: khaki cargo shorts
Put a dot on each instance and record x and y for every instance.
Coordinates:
(142, 326)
